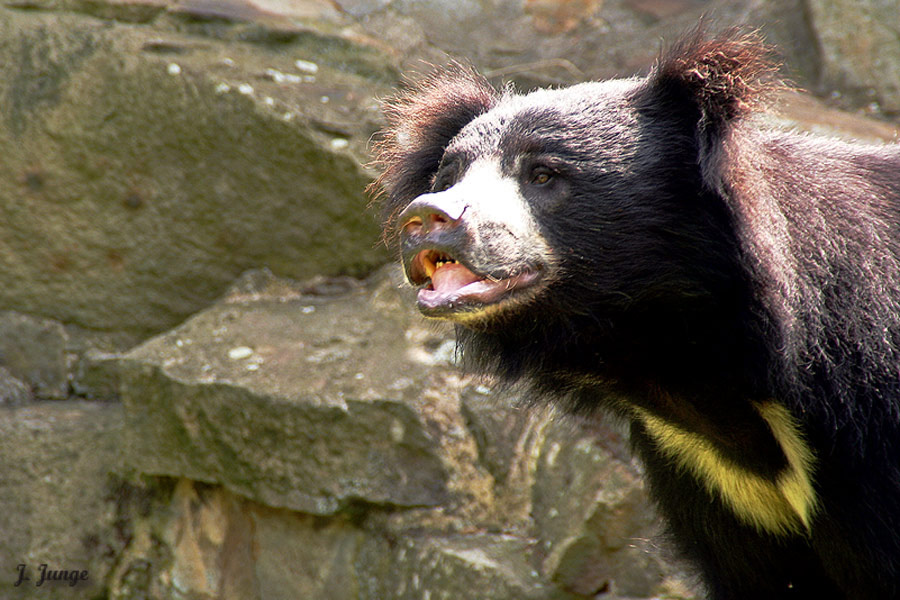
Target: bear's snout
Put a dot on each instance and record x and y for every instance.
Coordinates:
(429, 213)
(433, 221)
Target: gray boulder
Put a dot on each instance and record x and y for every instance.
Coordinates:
(145, 167)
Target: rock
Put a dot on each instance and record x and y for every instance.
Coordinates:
(46, 360)
(34, 350)
(841, 50)
(593, 518)
(362, 8)
(439, 568)
(301, 556)
(148, 166)
(497, 426)
(542, 42)
(212, 544)
(205, 543)
(860, 51)
(804, 112)
(295, 400)
(58, 461)
(13, 392)
(332, 431)
(96, 376)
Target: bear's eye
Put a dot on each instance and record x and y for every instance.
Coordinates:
(445, 177)
(442, 183)
(541, 176)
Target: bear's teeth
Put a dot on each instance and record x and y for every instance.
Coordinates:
(432, 264)
(444, 261)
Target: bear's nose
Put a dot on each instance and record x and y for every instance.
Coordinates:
(426, 215)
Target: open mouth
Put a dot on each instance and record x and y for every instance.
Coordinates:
(448, 286)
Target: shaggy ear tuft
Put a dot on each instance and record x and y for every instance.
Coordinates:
(421, 122)
(726, 76)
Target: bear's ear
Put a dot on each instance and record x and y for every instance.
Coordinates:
(719, 78)
(421, 122)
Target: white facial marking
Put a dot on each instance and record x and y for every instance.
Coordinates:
(497, 200)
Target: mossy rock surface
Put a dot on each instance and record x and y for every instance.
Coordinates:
(147, 167)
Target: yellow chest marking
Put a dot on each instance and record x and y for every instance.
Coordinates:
(785, 505)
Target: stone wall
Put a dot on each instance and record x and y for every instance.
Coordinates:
(171, 428)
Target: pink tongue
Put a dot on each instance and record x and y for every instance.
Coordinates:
(450, 278)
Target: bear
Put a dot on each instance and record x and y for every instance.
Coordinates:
(656, 249)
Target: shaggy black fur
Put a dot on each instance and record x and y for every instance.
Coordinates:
(701, 264)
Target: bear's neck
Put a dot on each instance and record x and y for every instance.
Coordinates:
(700, 351)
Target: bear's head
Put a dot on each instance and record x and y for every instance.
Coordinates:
(569, 214)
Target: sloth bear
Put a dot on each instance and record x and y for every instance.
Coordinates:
(651, 248)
